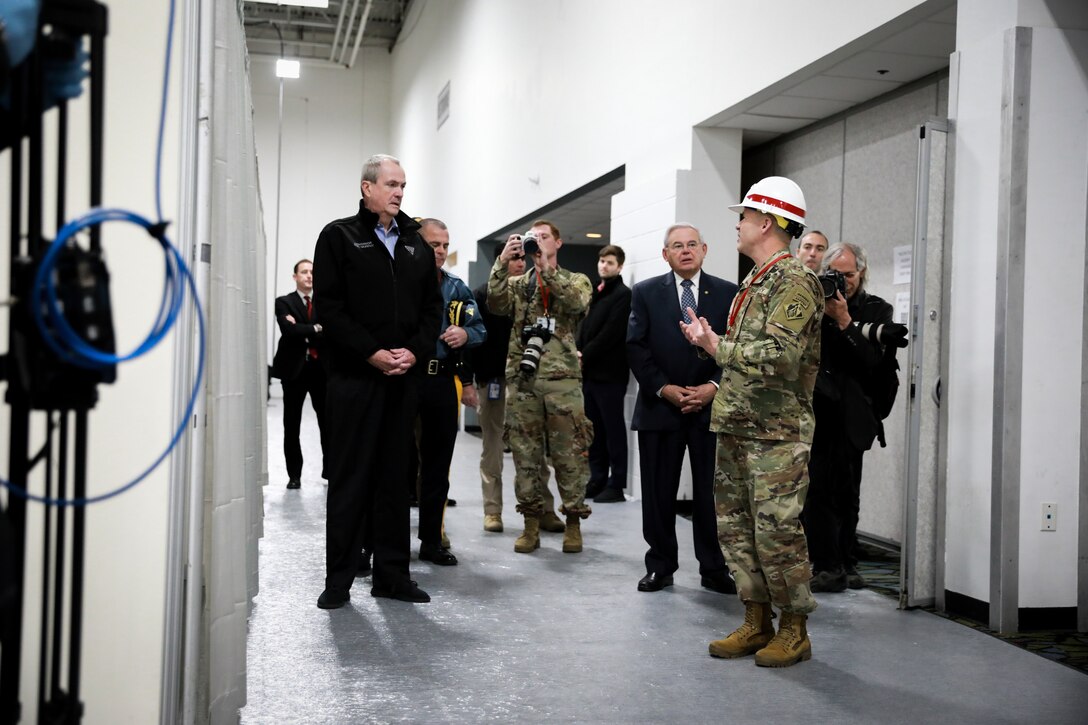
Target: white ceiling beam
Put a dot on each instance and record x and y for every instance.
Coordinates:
(347, 31)
(339, 24)
(359, 35)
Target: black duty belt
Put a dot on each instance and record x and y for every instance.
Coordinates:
(439, 367)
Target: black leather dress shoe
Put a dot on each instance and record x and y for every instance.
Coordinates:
(654, 582)
(719, 582)
(593, 488)
(451, 502)
(437, 555)
(364, 568)
(405, 591)
(294, 483)
(333, 598)
(610, 495)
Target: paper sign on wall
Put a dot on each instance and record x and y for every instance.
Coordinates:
(901, 262)
(902, 307)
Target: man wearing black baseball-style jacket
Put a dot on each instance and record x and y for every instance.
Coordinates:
(601, 338)
(381, 310)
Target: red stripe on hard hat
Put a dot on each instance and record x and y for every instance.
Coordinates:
(783, 205)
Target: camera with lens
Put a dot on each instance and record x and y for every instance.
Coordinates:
(534, 337)
(833, 282)
(529, 243)
(888, 333)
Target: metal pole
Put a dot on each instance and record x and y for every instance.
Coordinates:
(279, 177)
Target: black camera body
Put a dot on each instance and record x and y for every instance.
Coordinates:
(534, 337)
(833, 282)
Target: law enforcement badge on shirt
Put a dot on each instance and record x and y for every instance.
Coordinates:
(793, 313)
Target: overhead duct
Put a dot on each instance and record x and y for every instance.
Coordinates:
(339, 24)
(347, 32)
(359, 34)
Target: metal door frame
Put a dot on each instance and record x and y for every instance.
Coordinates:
(918, 386)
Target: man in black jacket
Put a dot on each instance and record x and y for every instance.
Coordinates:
(845, 423)
(297, 366)
(601, 347)
(381, 309)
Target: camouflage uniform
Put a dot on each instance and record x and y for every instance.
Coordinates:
(545, 411)
(763, 417)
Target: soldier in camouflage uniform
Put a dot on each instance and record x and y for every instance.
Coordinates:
(545, 410)
(763, 417)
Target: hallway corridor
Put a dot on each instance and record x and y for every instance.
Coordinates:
(553, 637)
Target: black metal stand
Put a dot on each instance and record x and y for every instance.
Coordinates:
(38, 380)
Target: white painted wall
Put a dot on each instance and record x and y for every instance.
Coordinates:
(126, 536)
(1054, 283)
(334, 119)
(1053, 333)
(977, 118)
(547, 96)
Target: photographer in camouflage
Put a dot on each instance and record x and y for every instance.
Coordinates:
(545, 412)
(763, 417)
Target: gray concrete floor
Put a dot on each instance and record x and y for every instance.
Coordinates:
(566, 637)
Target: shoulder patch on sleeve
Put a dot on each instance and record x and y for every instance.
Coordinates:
(793, 313)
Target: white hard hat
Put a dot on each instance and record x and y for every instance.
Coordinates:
(779, 196)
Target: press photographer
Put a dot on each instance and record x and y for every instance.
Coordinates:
(545, 409)
(857, 331)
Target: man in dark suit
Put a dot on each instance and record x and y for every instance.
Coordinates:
(297, 366)
(677, 383)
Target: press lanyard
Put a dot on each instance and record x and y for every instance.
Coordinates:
(738, 302)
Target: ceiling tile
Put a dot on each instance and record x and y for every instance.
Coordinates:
(855, 90)
(765, 123)
(934, 39)
(791, 106)
(899, 67)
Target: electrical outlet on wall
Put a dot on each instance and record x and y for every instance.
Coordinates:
(1050, 517)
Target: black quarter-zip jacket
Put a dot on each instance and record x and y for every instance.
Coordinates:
(370, 301)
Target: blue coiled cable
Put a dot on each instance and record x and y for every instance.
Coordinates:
(71, 348)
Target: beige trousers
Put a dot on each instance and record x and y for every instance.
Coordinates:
(492, 414)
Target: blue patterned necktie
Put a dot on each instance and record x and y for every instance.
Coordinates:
(687, 299)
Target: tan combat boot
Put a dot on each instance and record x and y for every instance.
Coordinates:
(529, 541)
(750, 637)
(550, 522)
(789, 646)
(572, 538)
(493, 523)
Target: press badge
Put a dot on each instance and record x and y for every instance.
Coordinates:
(494, 390)
(548, 323)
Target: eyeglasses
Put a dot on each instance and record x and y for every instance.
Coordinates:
(681, 246)
(518, 257)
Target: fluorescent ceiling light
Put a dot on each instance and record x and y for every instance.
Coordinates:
(300, 3)
(286, 68)
(593, 235)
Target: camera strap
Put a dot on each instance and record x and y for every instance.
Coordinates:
(738, 301)
(543, 292)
